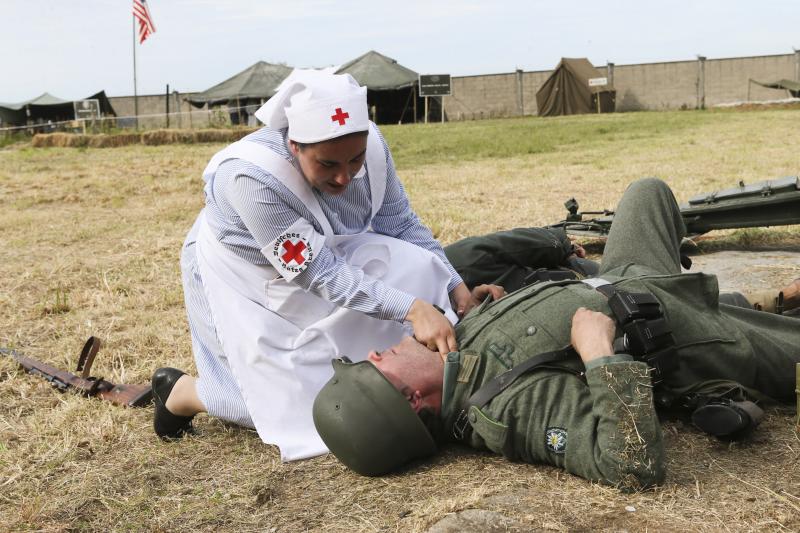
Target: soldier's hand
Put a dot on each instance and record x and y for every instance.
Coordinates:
(592, 334)
(480, 293)
(431, 328)
(577, 249)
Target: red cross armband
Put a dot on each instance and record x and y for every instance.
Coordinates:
(294, 249)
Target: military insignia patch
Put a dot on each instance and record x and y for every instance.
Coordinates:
(292, 252)
(468, 362)
(555, 439)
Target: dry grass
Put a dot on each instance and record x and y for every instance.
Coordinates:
(89, 244)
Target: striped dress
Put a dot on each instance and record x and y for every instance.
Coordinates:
(246, 209)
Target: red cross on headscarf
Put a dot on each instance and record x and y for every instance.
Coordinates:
(340, 116)
(293, 252)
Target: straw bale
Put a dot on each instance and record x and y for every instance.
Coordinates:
(221, 135)
(113, 141)
(42, 140)
(157, 137)
(59, 139)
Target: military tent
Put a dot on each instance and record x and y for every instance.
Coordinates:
(391, 87)
(790, 86)
(244, 91)
(48, 108)
(567, 91)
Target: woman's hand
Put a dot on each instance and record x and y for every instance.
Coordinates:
(461, 300)
(431, 328)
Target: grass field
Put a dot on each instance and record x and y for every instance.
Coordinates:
(89, 245)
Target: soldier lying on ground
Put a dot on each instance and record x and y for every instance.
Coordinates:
(544, 374)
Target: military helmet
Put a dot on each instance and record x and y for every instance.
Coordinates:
(366, 423)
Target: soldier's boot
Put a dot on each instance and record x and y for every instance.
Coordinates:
(727, 419)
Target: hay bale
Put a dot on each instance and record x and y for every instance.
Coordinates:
(42, 140)
(76, 141)
(115, 140)
(221, 135)
(59, 139)
(158, 137)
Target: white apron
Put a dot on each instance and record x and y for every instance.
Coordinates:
(279, 339)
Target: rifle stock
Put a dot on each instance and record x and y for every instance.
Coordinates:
(122, 394)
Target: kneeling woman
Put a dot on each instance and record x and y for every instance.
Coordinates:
(307, 249)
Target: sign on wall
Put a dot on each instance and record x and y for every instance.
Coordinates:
(434, 85)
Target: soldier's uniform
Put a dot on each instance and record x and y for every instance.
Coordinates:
(599, 422)
(510, 257)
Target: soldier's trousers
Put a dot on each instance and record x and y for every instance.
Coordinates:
(645, 240)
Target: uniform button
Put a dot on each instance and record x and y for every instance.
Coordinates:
(531, 330)
(473, 418)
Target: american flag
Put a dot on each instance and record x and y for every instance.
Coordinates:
(141, 13)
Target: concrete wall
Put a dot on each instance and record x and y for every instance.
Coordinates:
(727, 79)
(656, 86)
(152, 109)
(648, 86)
(489, 96)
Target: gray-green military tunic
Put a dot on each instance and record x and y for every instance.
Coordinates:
(599, 422)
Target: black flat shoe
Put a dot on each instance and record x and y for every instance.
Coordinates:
(726, 419)
(168, 426)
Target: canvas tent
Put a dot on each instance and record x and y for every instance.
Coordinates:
(391, 87)
(248, 89)
(567, 91)
(48, 108)
(790, 86)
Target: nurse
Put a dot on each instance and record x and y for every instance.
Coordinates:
(307, 249)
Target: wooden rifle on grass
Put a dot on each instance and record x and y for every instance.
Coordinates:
(766, 203)
(125, 395)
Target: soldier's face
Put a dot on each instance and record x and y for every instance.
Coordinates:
(329, 166)
(413, 369)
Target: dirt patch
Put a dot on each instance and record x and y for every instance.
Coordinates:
(743, 270)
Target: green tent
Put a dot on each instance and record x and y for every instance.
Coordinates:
(791, 86)
(47, 107)
(244, 92)
(391, 87)
(568, 92)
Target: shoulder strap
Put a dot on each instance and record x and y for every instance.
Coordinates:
(501, 382)
(277, 166)
(461, 426)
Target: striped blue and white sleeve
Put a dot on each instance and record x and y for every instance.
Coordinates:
(266, 215)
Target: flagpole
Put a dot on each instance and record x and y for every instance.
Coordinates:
(135, 95)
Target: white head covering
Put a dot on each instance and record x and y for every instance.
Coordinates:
(317, 106)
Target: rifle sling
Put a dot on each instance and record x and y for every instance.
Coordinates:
(86, 359)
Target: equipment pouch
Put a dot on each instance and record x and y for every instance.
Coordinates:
(628, 306)
(647, 336)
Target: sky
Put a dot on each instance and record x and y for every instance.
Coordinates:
(74, 49)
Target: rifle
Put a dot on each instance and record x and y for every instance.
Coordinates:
(125, 395)
(765, 203)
